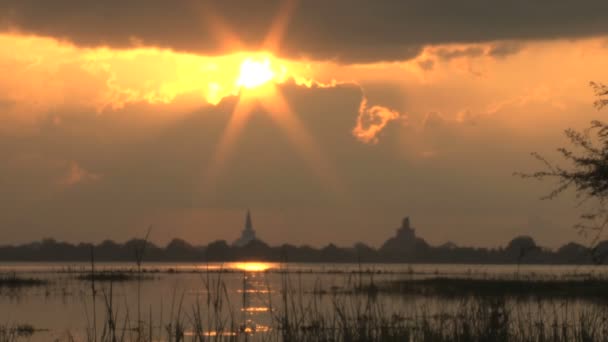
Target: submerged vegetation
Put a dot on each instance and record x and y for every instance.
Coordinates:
(13, 281)
(9, 333)
(113, 276)
(591, 288)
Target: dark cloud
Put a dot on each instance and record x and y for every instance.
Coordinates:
(448, 54)
(504, 49)
(497, 50)
(344, 30)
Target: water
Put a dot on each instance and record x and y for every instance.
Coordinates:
(240, 297)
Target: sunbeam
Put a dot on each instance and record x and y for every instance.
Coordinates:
(238, 119)
(258, 85)
(277, 107)
(279, 26)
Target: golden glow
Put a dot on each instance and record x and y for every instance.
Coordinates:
(257, 81)
(271, 99)
(256, 309)
(56, 74)
(294, 130)
(42, 73)
(255, 73)
(252, 266)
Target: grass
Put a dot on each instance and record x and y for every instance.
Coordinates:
(492, 318)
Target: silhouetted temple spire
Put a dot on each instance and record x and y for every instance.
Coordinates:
(406, 228)
(405, 241)
(248, 224)
(248, 234)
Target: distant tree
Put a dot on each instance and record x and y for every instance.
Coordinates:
(587, 167)
(522, 245)
(572, 248)
(253, 250)
(573, 252)
(179, 249)
(333, 253)
(217, 251)
(364, 253)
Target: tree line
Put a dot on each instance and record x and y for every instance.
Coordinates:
(522, 249)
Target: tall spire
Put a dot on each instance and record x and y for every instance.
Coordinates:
(248, 234)
(248, 224)
(405, 224)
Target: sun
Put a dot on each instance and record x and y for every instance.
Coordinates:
(255, 73)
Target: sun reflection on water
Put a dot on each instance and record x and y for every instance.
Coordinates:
(252, 266)
(256, 309)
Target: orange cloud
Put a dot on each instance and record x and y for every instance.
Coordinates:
(372, 120)
(42, 74)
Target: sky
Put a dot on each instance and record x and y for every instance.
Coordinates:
(329, 120)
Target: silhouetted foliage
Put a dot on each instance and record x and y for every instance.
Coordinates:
(601, 92)
(586, 167)
(587, 170)
(217, 251)
(522, 243)
(180, 250)
(521, 249)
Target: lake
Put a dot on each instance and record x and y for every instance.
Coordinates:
(244, 300)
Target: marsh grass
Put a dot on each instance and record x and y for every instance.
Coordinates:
(354, 318)
(175, 323)
(484, 312)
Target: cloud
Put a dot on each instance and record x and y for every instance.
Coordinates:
(151, 169)
(372, 120)
(426, 64)
(351, 31)
(433, 119)
(471, 117)
(40, 74)
(46, 75)
(504, 49)
(446, 53)
(452, 53)
(76, 174)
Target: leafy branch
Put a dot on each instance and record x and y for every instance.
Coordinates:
(586, 171)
